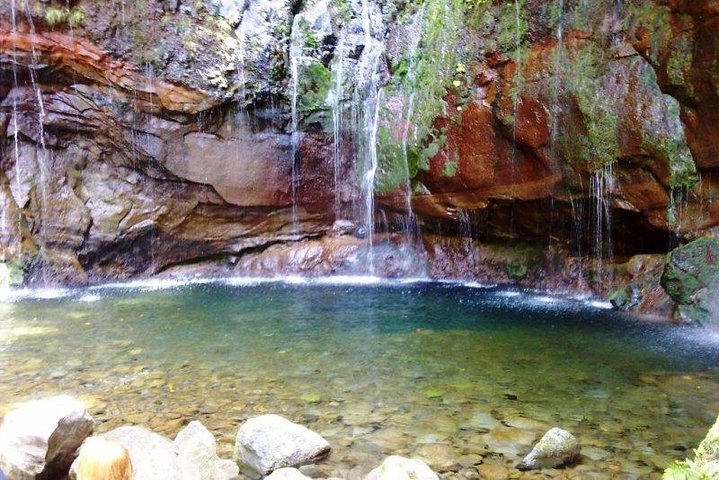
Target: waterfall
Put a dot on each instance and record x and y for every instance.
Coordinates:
(411, 228)
(16, 144)
(369, 176)
(337, 127)
(601, 187)
(294, 137)
(369, 95)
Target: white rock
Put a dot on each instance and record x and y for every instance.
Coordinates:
(287, 474)
(41, 437)
(269, 442)
(153, 456)
(400, 468)
(193, 454)
(557, 447)
(196, 450)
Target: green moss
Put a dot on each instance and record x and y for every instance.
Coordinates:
(76, 17)
(517, 270)
(55, 16)
(680, 61)
(12, 273)
(655, 19)
(437, 69)
(599, 144)
(450, 169)
(512, 26)
(314, 84)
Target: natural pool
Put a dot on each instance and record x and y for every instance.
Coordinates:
(466, 378)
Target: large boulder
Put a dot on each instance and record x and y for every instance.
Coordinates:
(557, 447)
(400, 468)
(40, 438)
(196, 451)
(691, 278)
(152, 455)
(269, 442)
(708, 450)
(193, 454)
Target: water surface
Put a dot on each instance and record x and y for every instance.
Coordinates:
(467, 378)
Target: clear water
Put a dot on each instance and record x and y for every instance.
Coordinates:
(444, 372)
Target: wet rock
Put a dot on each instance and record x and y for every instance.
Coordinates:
(287, 474)
(557, 447)
(196, 450)
(269, 442)
(691, 278)
(400, 468)
(40, 438)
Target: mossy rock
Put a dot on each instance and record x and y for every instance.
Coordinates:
(691, 278)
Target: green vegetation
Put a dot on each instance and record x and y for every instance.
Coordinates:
(425, 80)
(54, 16)
(517, 270)
(705, 465)
(598, 145)
(12, 273)
(314, 84)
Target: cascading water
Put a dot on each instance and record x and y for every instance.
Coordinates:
(16, 143)
(337, 104)
(411, 228)
(369, 96)
(294, 76)
(601, 187)
(369, 176)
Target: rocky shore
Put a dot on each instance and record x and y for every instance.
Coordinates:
(40, 439)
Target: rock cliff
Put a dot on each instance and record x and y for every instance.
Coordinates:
(540, 141)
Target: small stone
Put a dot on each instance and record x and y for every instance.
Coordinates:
(557, 447)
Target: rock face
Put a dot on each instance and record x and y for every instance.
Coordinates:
(557, 447)
(136, 139)
(193, 454)
(270, 442)
(400, 468)
(691, 278)
(39, 439)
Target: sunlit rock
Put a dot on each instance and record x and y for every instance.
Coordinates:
(269, 442)
(557, 447)
(287, 474)
(39, 439)
(196, 450)
(400, 468)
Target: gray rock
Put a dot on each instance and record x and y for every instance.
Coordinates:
(287, 474)
(153, 456)
(269, 442)
(193, 454)
(40, 438)
(196, 451)
(557, 447)
(400, 468)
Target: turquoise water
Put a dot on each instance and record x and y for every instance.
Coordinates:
(466, 378)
